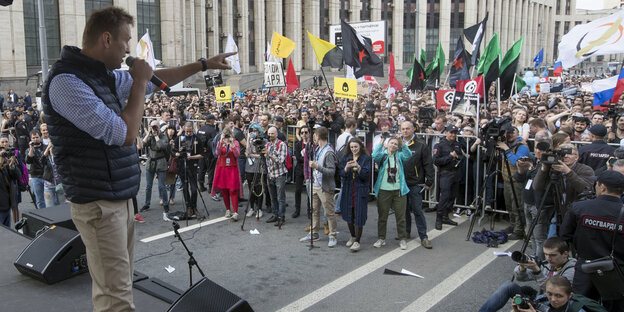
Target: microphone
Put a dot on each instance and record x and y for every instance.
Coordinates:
(155, 80)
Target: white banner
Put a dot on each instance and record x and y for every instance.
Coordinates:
(273, 75)
(376, 31)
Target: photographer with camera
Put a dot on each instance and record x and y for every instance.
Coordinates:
(21, 134)
(188, 150)
(514, 149)
(34, 157)
(447, 155)
(157, 144)
(382, 138)
(227, 176)
(558, 297)
(10, 172)
(589, 225)
(367, 124)
(528, 269)
(255, 170)
(563, 162)
(333, 121)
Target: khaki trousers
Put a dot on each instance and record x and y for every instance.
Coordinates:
(327, 200)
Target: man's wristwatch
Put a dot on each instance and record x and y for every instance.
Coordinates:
(204, 64)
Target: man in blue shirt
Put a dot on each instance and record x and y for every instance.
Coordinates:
(93, 114)
(513, 150)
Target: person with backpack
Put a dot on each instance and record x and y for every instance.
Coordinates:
(276, 153)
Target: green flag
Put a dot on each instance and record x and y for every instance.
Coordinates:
(409, 71)
(491, 52)
(423, 57)
(440, 57)
(520, 83)
(512, 54)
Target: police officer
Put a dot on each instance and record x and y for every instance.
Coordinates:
(447, 155)
(206, 134)
(598, 152)
(589, 226)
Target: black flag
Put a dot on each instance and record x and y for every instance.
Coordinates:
(491, 76)
(432, 80)
(459, 68)
(474, 34)
(418, 77)
(358, 53)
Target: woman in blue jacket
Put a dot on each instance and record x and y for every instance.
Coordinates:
(355, 169)
(391, 188)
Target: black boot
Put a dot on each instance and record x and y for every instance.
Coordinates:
(438, 224)
(447, 220)
(296, 213)
(280, 222)
(202, 188)
(273, 218)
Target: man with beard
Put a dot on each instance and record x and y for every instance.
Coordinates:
(206, 134)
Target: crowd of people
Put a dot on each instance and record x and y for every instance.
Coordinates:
(550, 151)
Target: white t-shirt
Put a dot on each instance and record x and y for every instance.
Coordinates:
(343, 139)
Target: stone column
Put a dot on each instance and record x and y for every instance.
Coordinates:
(12, 49)
(355, 6)
(189, 32)
(72, 22)
(445, 29)
(212, 27)
(200, 28)
(259, 34)
(274, 18)
(334, 12)
(397, 33)
(312, 23)
(422, 26)
(489, 28)
(227, 22)
(376, 9)
(505, 42)
(293, 30)
(471, 13)
(131, 7)
(524, 28)
(243, 41)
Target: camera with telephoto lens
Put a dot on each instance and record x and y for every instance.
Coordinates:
(523, 302)
(520, 257)
(553, 157)
(497, 128)
(259, 142)
(155, 128)
(6, 154)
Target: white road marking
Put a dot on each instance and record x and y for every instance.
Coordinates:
(183, 229)
(444, 288)
(351, 277)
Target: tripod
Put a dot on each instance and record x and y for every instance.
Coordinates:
(311, 196)
(254, 183)
(191, 261)
(186, 186)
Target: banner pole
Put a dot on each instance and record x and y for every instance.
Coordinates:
(327, 83)
(498, 95)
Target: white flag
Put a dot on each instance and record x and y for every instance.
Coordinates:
(230, 46)
(270, 57)
(600, 37)
(145, 50)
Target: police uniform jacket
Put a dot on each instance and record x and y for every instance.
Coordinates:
(595, 154)
(590, 224)
(442, 154)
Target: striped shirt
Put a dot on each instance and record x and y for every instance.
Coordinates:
(278, 167)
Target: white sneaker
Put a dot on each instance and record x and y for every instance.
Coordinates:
(165, 218)
(379, 243)
(235, 216)
(355, 246)
(250, 213)
(488, 207)
(350, 242)
(259, 213)
(403, 244)
(332, 242)
(457, 213)
(309, 237)
(228, 214)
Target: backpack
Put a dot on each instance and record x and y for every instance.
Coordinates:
(492, 239)
(288, 163)
(340, 152)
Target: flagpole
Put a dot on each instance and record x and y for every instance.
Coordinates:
(485, 95)
(327, 83)
(447, 77)
(498, 95)
(513, 85)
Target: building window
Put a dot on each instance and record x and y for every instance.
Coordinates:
(365, 13)
(31, 31)
(148, 17)
(433, 27)
(558, 9)
(91, 5)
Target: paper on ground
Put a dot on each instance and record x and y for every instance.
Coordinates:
(170, 269)
(254, 232)
(502, 254)
(404, 271)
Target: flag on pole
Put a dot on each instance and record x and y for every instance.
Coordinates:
(539, 58)
(544, 74)
(230, 46)
(358, 53)
(438, 62)
(423, 57)
(281, 46)
(371, 80)
(459, 69)
(394, 82)
(268, 56)
(417, 82)
(474, 34)
(619, 87)
(558, 69)
(603, 90)
(409, 72)
(491, 53)
(327, 54)
(599, 37)
(292, 83)
(145, 50)
(474, 86)
(509, 65)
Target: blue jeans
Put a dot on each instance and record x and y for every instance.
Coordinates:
(162, 188)
(277, 190)
(337, 206)
(53, 197)
(37, 188)
(500, 297)
(414, 205)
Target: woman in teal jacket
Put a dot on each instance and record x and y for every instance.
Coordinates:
(390, 187)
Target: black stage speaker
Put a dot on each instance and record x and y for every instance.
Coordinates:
(6, 2)
(207, 296)
(55, 255)
(35, 221)
(159, 289)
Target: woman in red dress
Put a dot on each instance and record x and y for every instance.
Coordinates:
(226, 176)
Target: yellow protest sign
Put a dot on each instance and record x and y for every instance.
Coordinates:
(223, 94)
(345, 88)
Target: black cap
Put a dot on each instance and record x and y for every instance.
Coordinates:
(598, 130)
(611, 178)
(451, 128)
(279, 118)
(210, 116)
(30, 109)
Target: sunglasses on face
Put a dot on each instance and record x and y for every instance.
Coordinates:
(304, 132)
(541, 110)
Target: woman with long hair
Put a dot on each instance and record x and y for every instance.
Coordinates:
(226, 176)
(519, 121)
(355, 169)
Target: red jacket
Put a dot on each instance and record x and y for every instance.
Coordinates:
(224, 154)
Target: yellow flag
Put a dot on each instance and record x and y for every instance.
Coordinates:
(345, 88)
(281, 46)
(320, 47)
(223, 94)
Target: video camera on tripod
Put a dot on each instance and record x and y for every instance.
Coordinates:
(496, 129)
(552, 157)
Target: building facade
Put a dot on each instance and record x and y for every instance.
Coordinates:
(185, 30)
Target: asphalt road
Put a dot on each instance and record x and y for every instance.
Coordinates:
(274, 271)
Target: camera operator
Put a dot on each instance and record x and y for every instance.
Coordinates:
(557, 263)
(206, 133)
(382, 138)
(10, 172)
(527, 169)
(576, 176)
(157, 144)
(22, 134)
(589, 227)
(513, 149)
(188, 153)
(253, 169)
(367, 124)
(598, 152)
(334, 122)
(447, 155)
(34, 157)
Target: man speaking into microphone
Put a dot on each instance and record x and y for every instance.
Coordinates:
(93, 112)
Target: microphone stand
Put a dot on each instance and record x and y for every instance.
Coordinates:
(311, 196)
(191, 261)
